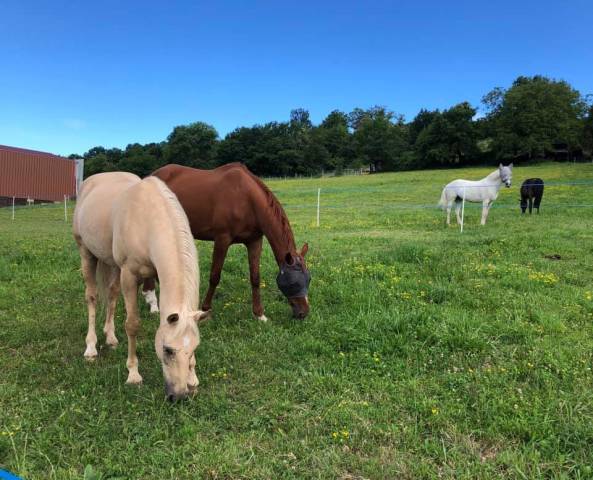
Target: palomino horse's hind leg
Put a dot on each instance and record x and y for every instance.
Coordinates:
(129, 286)
(112, 294)
(89, 270)
(254, 253)
(221, 246)
(149, 294)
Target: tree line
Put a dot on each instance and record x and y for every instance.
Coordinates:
(536, 118)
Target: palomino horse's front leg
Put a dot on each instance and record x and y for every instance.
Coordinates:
(89, 270)
(485, 209)
(192, 379)
(221, 246)
(129, 286)
(254, 253)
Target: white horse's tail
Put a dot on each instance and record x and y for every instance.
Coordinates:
(443, 200)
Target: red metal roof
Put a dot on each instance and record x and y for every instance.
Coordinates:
(38, 175)
(26, 150)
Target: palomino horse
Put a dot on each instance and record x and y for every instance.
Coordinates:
(485, 191)
(127, 230)
(231, 205)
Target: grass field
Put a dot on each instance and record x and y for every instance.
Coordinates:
(427, 353)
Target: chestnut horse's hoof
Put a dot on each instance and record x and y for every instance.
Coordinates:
(261, 318)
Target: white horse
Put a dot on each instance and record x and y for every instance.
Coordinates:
(485, 191)
(127, 230)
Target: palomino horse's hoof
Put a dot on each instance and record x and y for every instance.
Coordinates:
(90, 354)
(134, 379)
(111, 340)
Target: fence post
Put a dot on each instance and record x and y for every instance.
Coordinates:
(318, 199)
(13, 208)
(65, 208)
(462, 209)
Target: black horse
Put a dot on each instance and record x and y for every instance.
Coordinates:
(532, 191)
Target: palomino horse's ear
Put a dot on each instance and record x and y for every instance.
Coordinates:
(200, 317)
(305, 249)
(173, 318)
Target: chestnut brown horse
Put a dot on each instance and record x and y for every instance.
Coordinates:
(230, 205)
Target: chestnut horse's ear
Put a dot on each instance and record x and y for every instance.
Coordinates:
(288, 259)
(305, 249)
(201, 316)
(174, 317)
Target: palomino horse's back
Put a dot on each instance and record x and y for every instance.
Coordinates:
(92, 219)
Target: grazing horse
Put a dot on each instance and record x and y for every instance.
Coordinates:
(532, 190)
(128, 230)
(485, 191)
(230, 205)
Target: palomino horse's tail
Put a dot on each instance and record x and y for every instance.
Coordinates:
(106, 275)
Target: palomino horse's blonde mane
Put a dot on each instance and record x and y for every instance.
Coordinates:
(185, 244)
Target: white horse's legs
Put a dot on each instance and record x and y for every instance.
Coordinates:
(449, 212)
(129, 286)
(112, 294)
(485, 209)
(89, 269)
(151, 300)
(457, 210)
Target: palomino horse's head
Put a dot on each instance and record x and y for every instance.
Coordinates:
(175, 343)
(506, 174)
(293, 281)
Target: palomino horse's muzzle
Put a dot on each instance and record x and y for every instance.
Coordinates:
(174, 396)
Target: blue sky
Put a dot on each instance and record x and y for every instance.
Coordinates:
(75, 74)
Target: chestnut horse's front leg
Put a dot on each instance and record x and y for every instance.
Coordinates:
(254, 253)
(221, 246)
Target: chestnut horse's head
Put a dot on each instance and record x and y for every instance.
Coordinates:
(293, 281)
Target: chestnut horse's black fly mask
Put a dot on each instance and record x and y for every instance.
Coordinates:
(293, 281)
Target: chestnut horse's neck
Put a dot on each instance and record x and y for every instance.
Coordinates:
(274, 223)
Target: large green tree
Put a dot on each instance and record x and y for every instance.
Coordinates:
(380, 138)
(449, 138)
(533, 116)
(193, 145)
(587, 139)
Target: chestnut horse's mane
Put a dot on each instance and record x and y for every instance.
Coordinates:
(275, 209)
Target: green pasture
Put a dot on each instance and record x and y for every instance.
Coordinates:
(427, 354)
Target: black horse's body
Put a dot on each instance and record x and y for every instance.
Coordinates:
(532, 191)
